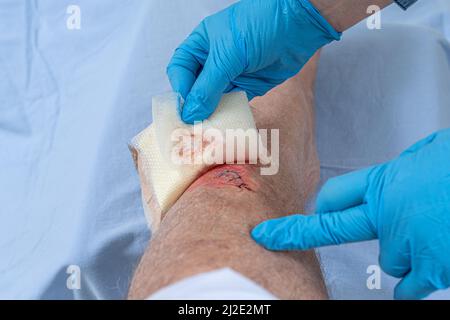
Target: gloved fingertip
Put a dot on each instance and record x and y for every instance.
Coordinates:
(181, 82)
(272, 235)
(262, 236)
(190, 117)
(258, 232)
(187, 118)
(178, 88)
(194, 110)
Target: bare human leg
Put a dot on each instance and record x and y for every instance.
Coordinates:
(209, 226)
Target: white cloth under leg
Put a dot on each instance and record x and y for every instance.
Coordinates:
(222, 284)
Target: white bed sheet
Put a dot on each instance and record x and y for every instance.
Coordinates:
(71, 100)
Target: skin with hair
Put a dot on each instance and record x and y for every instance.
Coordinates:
(209, 226)
(343, 14)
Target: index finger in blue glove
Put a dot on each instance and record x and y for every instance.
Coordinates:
(187, 61)
(206, 92)
(300, 232)
(343, 192)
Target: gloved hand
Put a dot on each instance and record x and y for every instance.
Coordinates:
(404, 203)
(252, 46)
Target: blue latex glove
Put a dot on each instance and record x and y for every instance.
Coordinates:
(252, 46)
(404, 203)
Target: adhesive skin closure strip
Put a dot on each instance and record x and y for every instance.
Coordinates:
(162, 180)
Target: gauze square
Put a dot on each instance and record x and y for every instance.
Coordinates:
(162, 180)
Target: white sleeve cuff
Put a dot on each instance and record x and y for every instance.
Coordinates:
(223, 284)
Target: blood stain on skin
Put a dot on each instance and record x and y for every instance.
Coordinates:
(233, 178)
(227, 176)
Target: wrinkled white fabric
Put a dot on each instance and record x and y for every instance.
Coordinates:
(222, 284)
(71, 100)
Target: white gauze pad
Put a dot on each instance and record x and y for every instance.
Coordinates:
(163, 180)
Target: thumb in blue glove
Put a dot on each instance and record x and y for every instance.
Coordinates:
(404, 203)
(252, 46)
